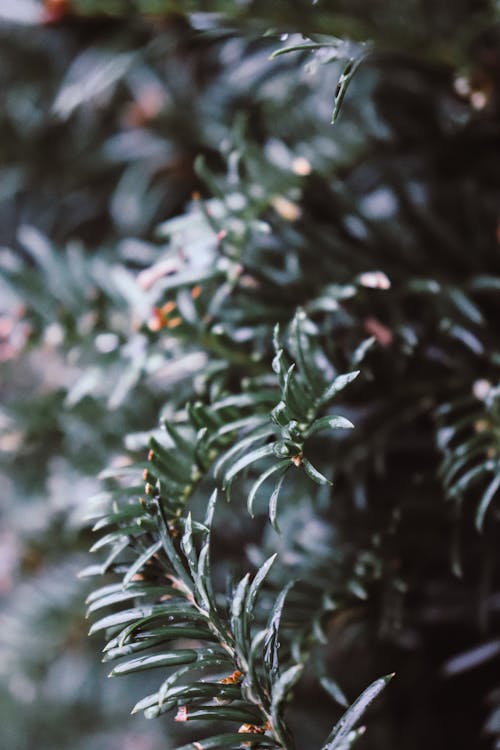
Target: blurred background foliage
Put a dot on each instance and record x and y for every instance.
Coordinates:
(106, 108)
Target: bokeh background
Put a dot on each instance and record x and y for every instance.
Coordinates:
(100, 125)
(101, 122)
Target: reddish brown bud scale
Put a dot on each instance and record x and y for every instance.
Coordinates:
(168, 307)
(156, 321)
(232, 679)
(251, 729)
(160, 317)
(196, 291)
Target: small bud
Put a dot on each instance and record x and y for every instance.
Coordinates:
(286, 208)
(478, 100)
(375, 280)
(301, 166)
(168, 307)
(182, 714)
(174, 531)
(232, 679)
(155, 323)
(196, 291)
(251, 729)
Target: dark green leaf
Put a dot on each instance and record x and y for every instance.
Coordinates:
(312, 472)
(353, 714)
(486, 499)
(181, 656)
(332, 423)
(273, 500)
(141, 561)
(340, 382)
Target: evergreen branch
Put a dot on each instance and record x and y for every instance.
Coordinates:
(304, 391)
(167, 543)
(236, 432)
(187, 609)
(468, 434)
(333, 49)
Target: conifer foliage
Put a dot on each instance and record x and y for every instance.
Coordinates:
(170, 577)
(281, 299)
